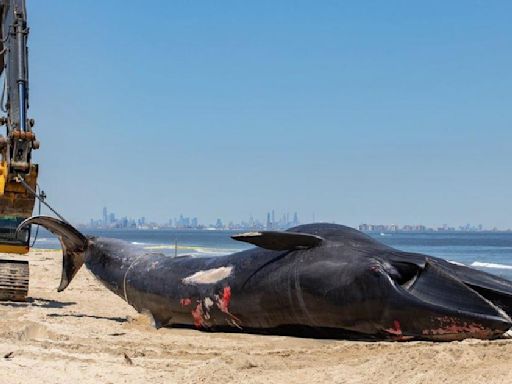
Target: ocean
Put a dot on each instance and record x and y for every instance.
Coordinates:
(489, 251)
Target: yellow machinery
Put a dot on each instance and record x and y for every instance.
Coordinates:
(18, 176)
(16, 204)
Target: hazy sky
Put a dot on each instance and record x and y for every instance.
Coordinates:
(375, 111)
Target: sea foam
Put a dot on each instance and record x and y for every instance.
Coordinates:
(490, 265)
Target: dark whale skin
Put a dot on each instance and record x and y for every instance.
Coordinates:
(349, 286)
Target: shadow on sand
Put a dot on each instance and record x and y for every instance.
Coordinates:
(116, 319)
(37, 302)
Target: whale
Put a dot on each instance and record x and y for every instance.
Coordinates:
(314, 280)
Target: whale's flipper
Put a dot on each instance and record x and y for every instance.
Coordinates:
(72, 241)
(279, 241)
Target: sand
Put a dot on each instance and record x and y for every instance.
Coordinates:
(88, 335)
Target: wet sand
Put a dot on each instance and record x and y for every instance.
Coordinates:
(88, 335)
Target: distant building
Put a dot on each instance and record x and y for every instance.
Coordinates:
(295, 220)
(364, 227)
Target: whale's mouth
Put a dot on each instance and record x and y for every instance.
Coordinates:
(452, 283)
(73, 243)
(451, 306)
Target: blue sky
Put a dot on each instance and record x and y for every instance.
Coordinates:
(376, 111)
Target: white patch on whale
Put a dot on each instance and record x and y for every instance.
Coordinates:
(251, 234)
(208, 276)
(208, 302)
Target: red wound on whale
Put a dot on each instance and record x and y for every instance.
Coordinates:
(225, 299)
(197, 314)
(185, 302)
(396, 330)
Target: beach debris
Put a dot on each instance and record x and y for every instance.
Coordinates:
(9, 355)
(127, 359)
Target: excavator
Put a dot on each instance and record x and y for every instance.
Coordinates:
(18, 175)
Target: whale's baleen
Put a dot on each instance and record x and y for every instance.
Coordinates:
(320, 280)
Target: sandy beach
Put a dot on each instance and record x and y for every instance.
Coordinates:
(87, 334)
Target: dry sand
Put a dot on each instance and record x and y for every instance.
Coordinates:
(88, 335)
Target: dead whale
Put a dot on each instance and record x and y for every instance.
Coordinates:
(315, 280)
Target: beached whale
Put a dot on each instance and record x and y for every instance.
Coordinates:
(320, 280)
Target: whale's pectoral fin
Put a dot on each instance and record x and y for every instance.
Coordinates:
(72, 241)
(279, 241)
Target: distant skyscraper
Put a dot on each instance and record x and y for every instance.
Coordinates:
(268, 226)
(105, 216)
(273, 220)
(295, 219)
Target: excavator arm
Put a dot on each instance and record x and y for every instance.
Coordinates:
(20, 139)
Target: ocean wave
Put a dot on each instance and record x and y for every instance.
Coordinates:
(46, 239)
(490, 265)
(193, 249)
(223, 251)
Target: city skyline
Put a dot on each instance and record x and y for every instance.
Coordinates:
(109, 220)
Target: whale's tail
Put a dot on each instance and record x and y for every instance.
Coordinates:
(72, 241)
